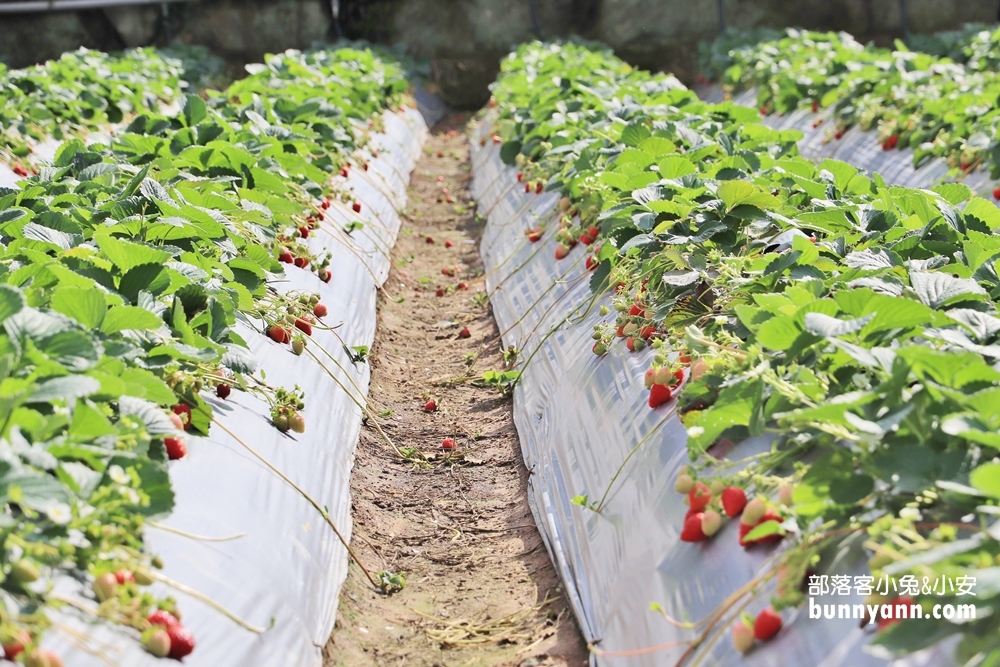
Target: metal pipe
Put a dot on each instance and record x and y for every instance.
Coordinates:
(33, 6)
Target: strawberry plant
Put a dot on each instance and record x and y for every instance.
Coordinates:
(124, 267)
(855, 322)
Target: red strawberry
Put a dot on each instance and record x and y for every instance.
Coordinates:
(535, 235)
(447, 271)
(429, 239)
(303, 326)
(164, 618)
(223, 390)
(734, 499)
(20, 171)
(14, 646)
(320, 310)
(464, 333)
(636, 310)
(658, 395)
(539, 188)
(356, 206)
(430, 406)
(742, 635)
(325, 275)
(325, 204)
(439, 292)
(520, 176)
(344, 172)
(586, 239)
(462, 286)
(285, 257)
(124, 576)
(815, 107)
(183, 410)
(593, 231)
(767, 624)
(620, 332)
(692, 531)
(996, 192)
(901, 601)
(365, 166)
(838, 134)
(893, 141)
(448, 243)
(301, 262)
(647, 331)
(277, 334)
(448, 444)
(561, 251)
(181, 641)
(699, 497)
(304, 232)
(591, 263)
(176, 449)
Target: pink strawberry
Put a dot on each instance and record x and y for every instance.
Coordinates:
(124, 577)
(320, 310)
(561, 251)
(742, 635)
(711, 521)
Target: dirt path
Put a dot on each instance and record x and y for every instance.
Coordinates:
(481, 589)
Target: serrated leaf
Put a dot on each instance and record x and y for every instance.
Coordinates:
(121, 318)
(825, 326)
(65, 388)
(938, 289)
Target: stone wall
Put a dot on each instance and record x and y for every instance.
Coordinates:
(463, 40)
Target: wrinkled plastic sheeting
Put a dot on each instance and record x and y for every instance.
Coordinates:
(286, 566)
(856, 147)
(579, 417)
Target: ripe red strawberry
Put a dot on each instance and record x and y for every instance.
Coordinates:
(699, 497)
(181, 641)
(344, 172)
(734, 499)
(593, 231)
(815, 107)
(448, 243)
(464, 333)
(43, 657)
(325, 204)
(893, 141)
(539, 188)
(176, 449)
(692, 532)
(277, 334)
(462, 286)
(222, 390)
(124, 576)
(439, 292)
(356, 206)
(561, 251)
(620, 331)
(996, 192)
(304, 232)
(429, 239)
(285, 257)
(320, 310)
(591, 263)
(448, 444)
(767, 624)
(430, 406)
(161, 617)
(448, 271)
(586, 239)
(365, 166)
(901, 601)
(183, 410)
(535, 234)
(637, 311)
(20, 171)
(303, 326)
(742, 635)
(647, 331)
(301, 262)
(520, 176)
(658, 395)
(633, 344)
(325, 275)
(838, 134)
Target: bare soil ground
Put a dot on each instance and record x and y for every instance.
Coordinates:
(481, 589)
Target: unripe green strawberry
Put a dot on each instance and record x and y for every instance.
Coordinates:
(684, 483)
(23, 572)
(43, 657)
(143, 577)
(297, 422)
(711, 521)
(298, 346)
(105, 586)
(157, 643)
(742, 635)
(664, 376)
(630, 328)
(717, 486)
(753, 512)
(785, 496)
